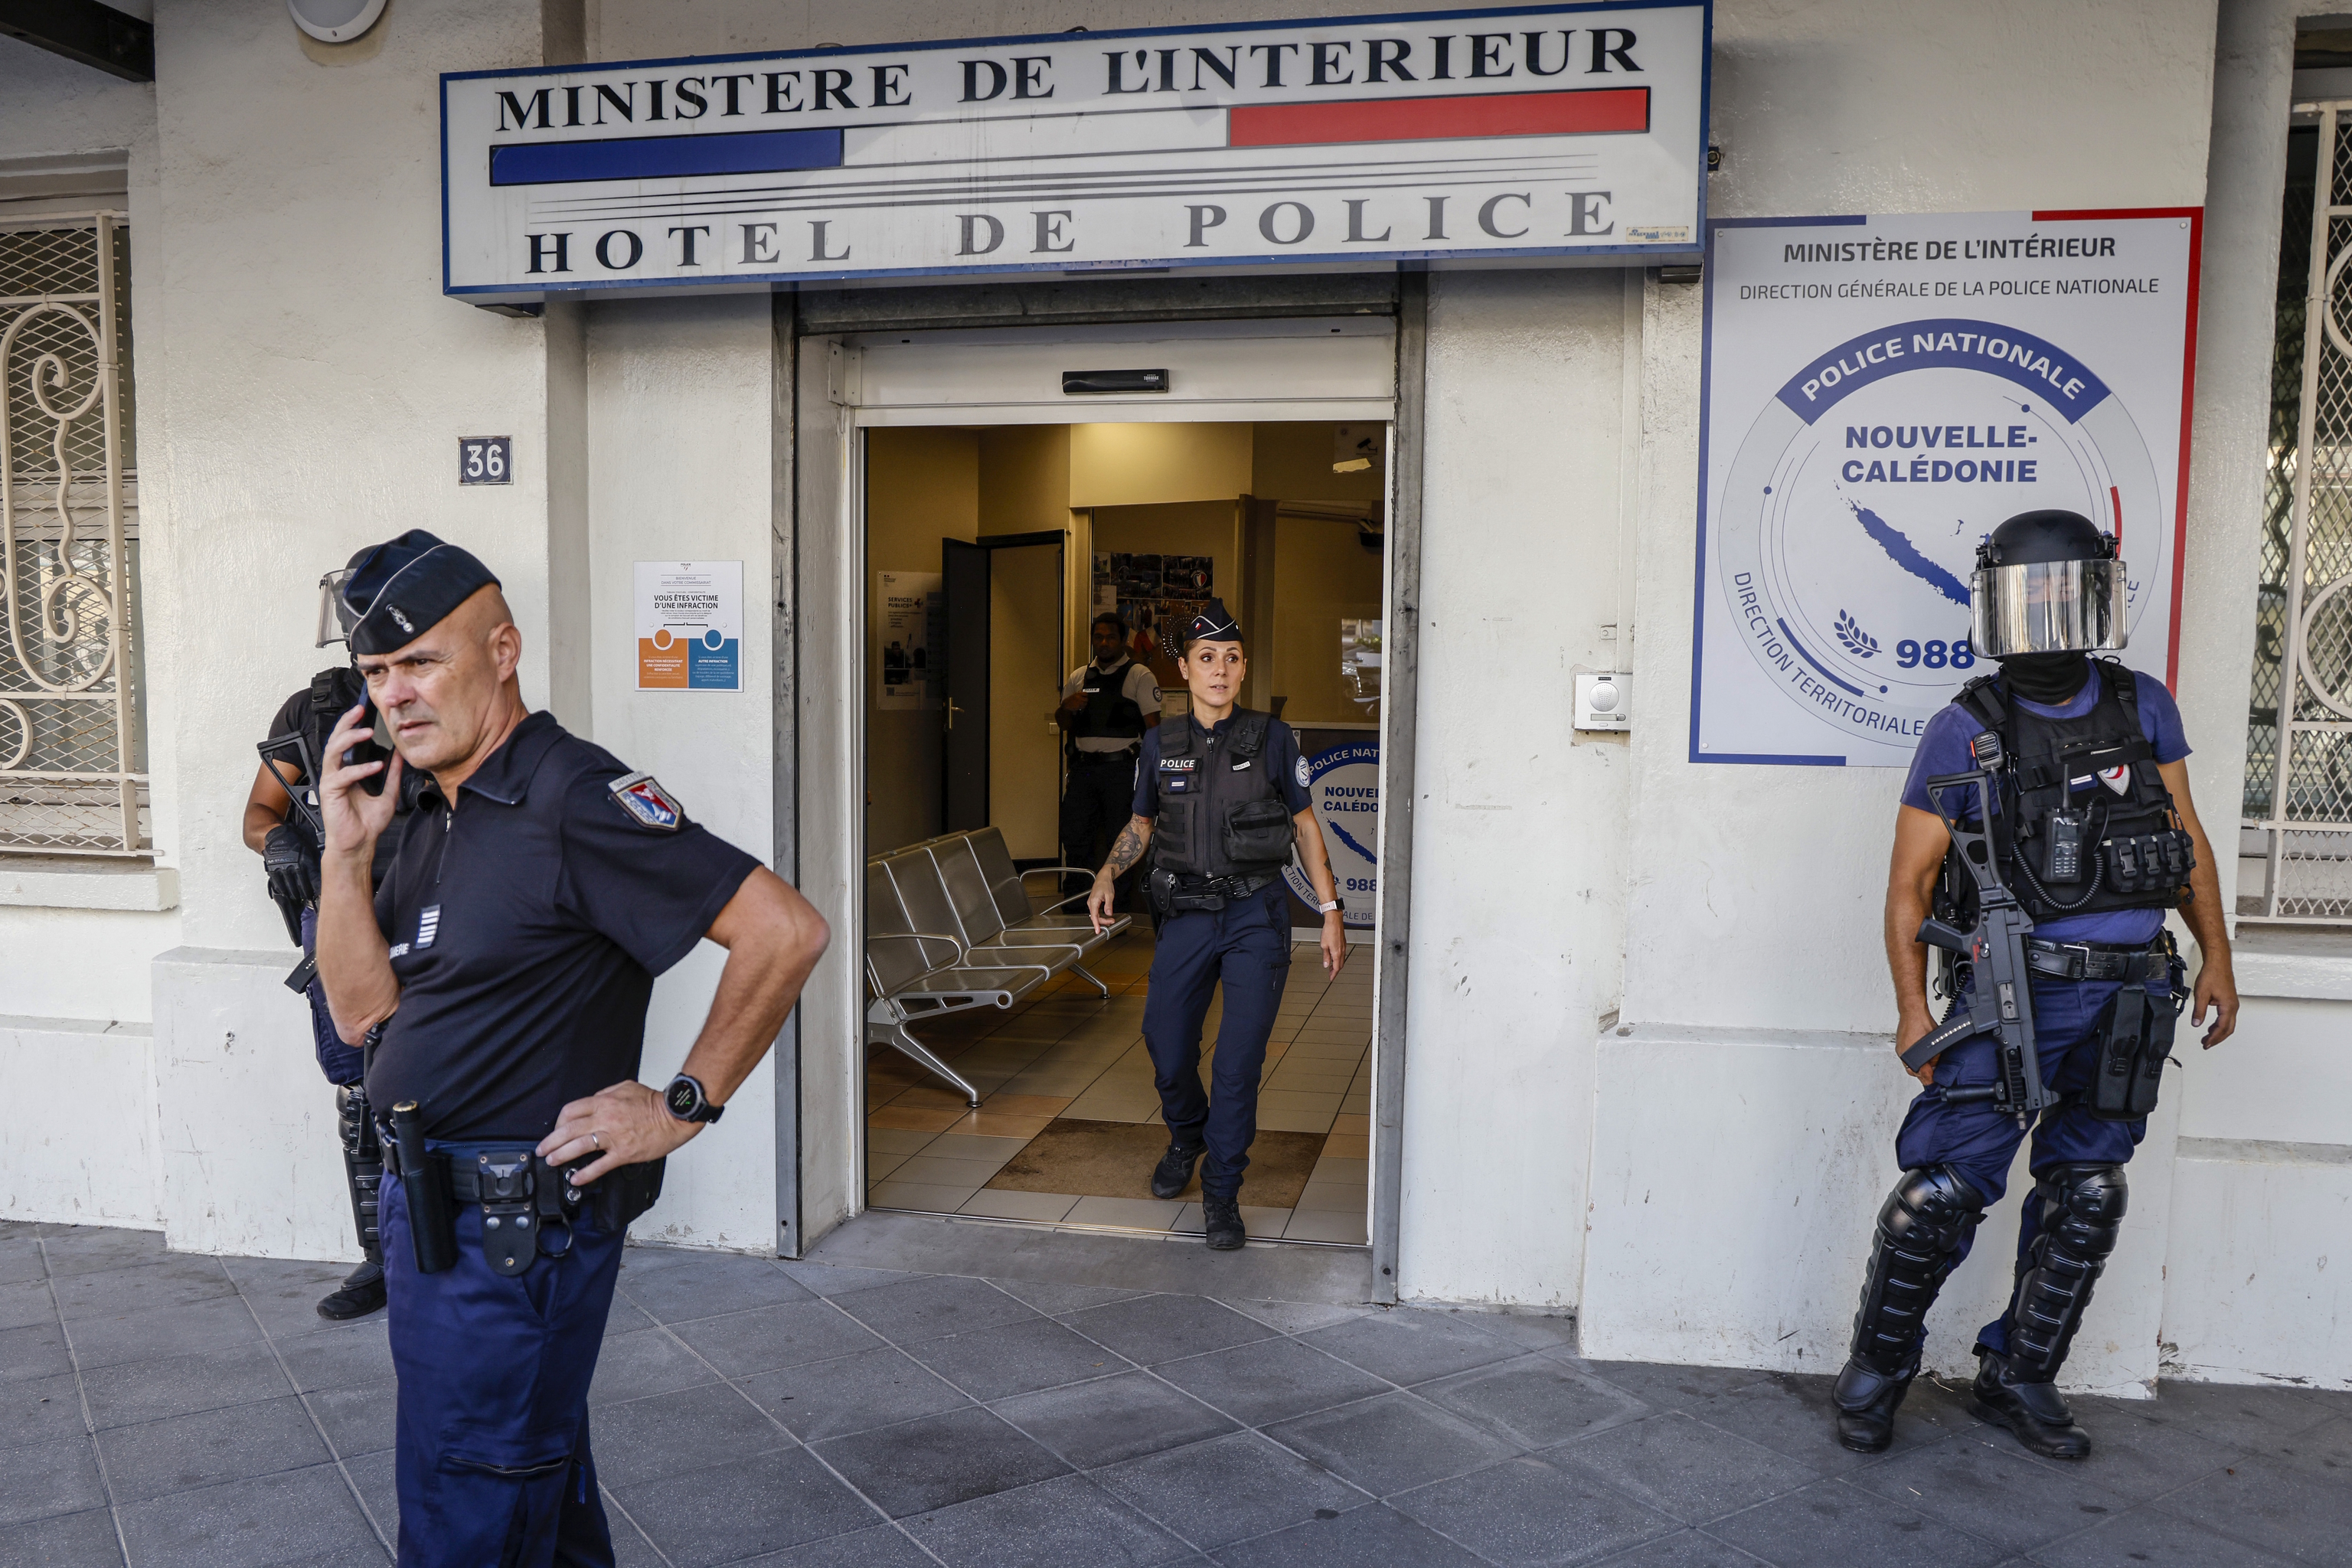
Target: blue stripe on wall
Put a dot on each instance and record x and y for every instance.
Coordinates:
(665, 157)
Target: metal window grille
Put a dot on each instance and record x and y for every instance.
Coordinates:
(73, 776)
(2302, 721)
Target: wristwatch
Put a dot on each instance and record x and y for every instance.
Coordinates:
(1334, 904)
(689, 1103)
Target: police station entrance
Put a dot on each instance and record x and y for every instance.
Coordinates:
(1037, 518)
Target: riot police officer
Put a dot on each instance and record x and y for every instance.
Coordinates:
(1220, 801)
(2093, 833)
(1104, 705)
(501, 976)
(282, 825)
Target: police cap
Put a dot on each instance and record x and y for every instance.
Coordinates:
(403, 587)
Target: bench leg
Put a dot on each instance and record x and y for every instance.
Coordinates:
(905, 1043)
(1080, 971)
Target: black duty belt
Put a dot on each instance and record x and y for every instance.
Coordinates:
(1083, 758)
(1223, 887)
(2096, 960)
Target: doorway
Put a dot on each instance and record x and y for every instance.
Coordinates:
(981, 529)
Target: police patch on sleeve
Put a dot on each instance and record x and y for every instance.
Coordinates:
(643, 798)
(1299, 768)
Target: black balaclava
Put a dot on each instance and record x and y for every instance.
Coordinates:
(2046, 678)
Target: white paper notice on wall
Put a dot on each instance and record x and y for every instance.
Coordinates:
(907, 674)
(690, 626)
(1880, 394)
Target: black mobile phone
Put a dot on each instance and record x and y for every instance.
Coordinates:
(375, 750)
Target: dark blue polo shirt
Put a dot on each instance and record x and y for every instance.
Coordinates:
(1280, 759)
(526, 927)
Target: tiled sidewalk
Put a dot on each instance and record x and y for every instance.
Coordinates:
(188, 1411)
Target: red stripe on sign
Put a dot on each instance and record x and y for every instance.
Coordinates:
(1594, 112)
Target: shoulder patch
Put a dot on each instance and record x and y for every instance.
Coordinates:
(1298, 768)
(642, 797)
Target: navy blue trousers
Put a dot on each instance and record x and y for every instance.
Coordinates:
(493, 1460)
(1247, 947)
(342, 1064)
(1980, 1142)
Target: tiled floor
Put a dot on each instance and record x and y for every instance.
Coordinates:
(190, 1412)
(1069, 1053)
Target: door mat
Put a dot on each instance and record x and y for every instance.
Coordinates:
(1114, 1160)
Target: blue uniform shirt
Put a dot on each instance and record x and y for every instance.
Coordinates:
(526, 929)
(1280, 758)
(1943, 749)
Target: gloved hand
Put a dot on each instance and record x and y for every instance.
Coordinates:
(292, 867)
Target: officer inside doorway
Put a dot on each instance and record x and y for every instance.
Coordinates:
(2093, 834)
(1104, 708)
(1219, 800)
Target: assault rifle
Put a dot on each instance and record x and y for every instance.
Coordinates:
(2001, 992)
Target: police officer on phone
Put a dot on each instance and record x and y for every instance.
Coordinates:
(282, 825)
(1105, 705)
(499, 976)
(1221, 802)
(2095, 836)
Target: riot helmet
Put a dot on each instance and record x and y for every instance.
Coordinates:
(2047, 583)
(336, 618)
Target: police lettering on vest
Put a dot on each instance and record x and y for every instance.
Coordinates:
(2085, 824)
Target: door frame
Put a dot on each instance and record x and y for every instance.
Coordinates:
(823, 620)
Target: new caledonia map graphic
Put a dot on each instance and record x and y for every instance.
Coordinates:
(1879, 394)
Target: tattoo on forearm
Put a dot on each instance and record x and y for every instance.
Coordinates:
(1127, 851)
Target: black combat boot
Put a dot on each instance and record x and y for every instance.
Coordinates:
(2036, 1412)
(362, 1293)
(1174, 1172)
(1221, 1217)
(1923, 1231)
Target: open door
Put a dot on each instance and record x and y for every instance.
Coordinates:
(1004, 645)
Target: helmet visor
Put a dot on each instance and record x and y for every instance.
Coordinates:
(335, 618)
(2048, 607)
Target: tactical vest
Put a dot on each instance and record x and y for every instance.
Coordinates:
(333, 693)
(2085, 823)
(1110, 713)
(1221, 814)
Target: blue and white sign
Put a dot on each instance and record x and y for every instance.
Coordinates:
(1880, 393)
(1343, 785)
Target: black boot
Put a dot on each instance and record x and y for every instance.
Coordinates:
(2036, 1412)
(1865, 1402)
(1923, 1230)
(1221, 1217)
(362, 1293)
(1174, 1172)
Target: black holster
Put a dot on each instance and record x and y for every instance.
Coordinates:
(2135, 1034)
(362, 1165)
(425, 1185)
(527, 1201)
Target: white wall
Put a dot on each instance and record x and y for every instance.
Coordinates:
(678, 460)
(1519, 875)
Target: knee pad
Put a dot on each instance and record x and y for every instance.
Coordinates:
(1922, 1228)
(1931, 1210)
(2082, 1215)
(2082, 1209)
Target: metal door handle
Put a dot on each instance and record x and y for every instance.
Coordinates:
(951, 713)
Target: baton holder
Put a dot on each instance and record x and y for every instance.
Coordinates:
(425, 1183)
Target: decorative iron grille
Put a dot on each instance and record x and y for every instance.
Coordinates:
(2303, 678)
(73, 774)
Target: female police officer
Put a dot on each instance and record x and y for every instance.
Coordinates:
(1226, 791)
(501, 976)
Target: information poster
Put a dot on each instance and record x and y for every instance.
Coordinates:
(1880, 393)
(689, 624)
(906, 604)
(1343, 785)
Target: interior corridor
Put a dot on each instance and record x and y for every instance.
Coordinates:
(1068, 1126)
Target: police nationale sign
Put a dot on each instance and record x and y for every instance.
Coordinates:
(1542, 131)
(1344, 786)
(1881, 392)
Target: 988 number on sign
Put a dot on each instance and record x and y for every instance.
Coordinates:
(485, 459)
(1934, 655)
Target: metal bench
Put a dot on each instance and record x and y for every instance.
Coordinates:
(938, 942)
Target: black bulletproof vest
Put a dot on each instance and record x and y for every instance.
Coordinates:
(1221, 814)
(2070, 849)
(333, 693)
(1110, 713)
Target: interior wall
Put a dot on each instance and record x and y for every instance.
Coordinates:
(1322, 571)
(1024, 681)
(1143, 465)
(922, 485)
(1291, 460)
